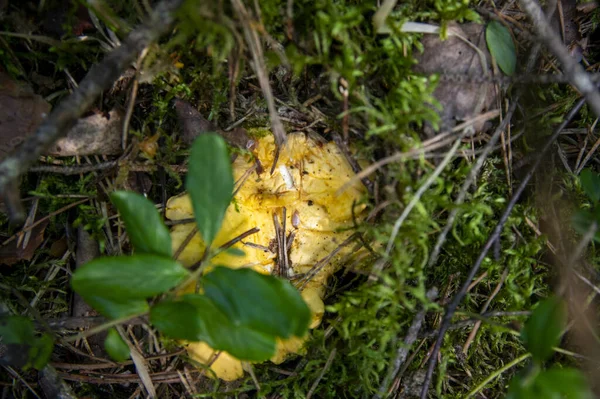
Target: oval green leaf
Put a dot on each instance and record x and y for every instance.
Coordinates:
(196, 318)
(117, 309)
(544, 328)
(262, 302)
(582, 222)
(147, 232)
(210, 183)
(222, 333)
(501, 47)
(116, 348)
(122, 278)
(40, 352)
(590, 183)
(552, 383)
(178, 320)
(21, 347)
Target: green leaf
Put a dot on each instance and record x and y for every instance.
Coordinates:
(179, 320)
(146, 230)
(22, 348)
(555, 383)
(210, 183)
(242, 312)
(543, 330)
(116, 348)
(590, 183)
(194, 317)
(16, 330)
(582, 221)
(121, 278)
(117, 309)
(222, 333)
(564, 383)
(40, 352)
(501, 47)
(262, 302)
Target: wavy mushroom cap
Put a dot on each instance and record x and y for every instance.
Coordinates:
(306, 182)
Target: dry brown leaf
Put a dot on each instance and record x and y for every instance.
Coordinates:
(21, 112)
(94, 135)
(12, 252)
(194, 124)
(460, 100)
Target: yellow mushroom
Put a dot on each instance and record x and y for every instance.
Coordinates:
(304, 187)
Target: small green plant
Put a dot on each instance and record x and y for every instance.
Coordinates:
(239, 311)
(501, 47)
(541, 334)
(584, 218)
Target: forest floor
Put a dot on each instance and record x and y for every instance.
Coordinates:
(477, 156)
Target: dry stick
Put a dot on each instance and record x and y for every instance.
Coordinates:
(314, 386)
(132, 98)
(472, 321)
(141, 366)
(255, 47)
(491, 240)
(589, 155)
(402, 353)
(571, 68)
(473, 333)
(66, 114)
(75, 170)
(39, 221)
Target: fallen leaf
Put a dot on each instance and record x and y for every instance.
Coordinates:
(460, 100)
(194, 124)
(12, 253)
(94, 135)
(21, 112)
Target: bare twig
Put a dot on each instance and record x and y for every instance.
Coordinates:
(473, 333)
(487, 246)
(66, 114)
(256, 50)
(141, 366)
(315, 384)
(571, 68)
(42, 220)
(75, 170)
(403, 349)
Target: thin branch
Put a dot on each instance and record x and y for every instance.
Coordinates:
(315, 384)
(75, 170)
(256, 50)
(571, 68)
(488, 245)
(402, 353)
(66, 114)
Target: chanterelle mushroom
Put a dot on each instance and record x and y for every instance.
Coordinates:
(303, 187)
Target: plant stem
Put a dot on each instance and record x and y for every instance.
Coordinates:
(104, 326)
(496, 374)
